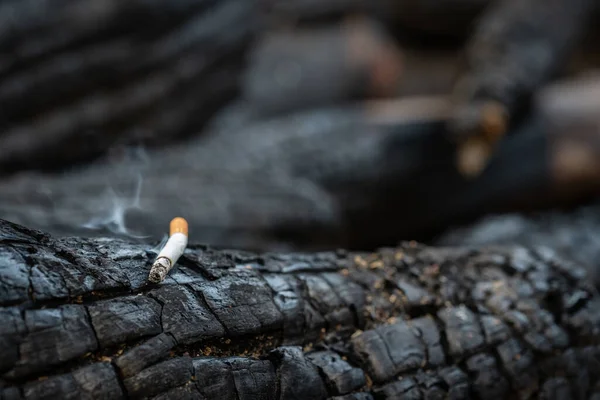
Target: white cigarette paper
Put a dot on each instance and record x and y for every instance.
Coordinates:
(174, 248)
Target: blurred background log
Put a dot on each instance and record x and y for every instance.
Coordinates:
(110, 72)
(291, 173)
(357, 176)
(437, 18)
(310, 68)
(294, 124)
(517, 46)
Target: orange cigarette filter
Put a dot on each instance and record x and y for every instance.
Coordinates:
(178, 225)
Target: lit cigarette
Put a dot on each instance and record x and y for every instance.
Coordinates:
(174, 248)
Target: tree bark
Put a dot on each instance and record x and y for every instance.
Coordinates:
(80, 320)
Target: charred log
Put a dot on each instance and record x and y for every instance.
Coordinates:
(80, 320)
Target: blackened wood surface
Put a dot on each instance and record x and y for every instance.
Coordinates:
(79, 320)
(572, 232)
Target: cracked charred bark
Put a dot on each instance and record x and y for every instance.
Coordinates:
(79, 320)
(573, 233)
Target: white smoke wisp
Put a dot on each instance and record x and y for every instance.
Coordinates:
(111, 208)
(156, 249)
(113, 218)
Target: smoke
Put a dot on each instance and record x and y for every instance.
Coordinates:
(156, 249)
(113, 217)
(111, 206)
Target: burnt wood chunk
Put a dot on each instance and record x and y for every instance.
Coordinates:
(119, 320)
(341, 377)
(187, 392)
(517, 360)
(96, 381)
(145, 354)
(214, 378)
(494, 329)
(462, 330)
(430, 335)
(253, 379)
(15, 286)
(351, 294)
(186, 316)
(489, 382)
(406, 388)
(457, 381)
(236, 378)
(291, 305)
(558, 389)
(326, 302)
(160, 377)
(414, 296)
(371, 347)
(12, 330)
(66, 272)
(239, 313)
(53, 336)
(389, 350)
(298, 377)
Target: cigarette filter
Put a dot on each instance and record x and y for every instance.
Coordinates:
(174, 248)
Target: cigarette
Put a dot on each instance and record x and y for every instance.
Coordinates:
(174, 248)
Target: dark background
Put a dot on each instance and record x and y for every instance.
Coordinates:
(295, 124)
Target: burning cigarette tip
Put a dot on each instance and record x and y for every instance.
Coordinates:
(174, 248)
